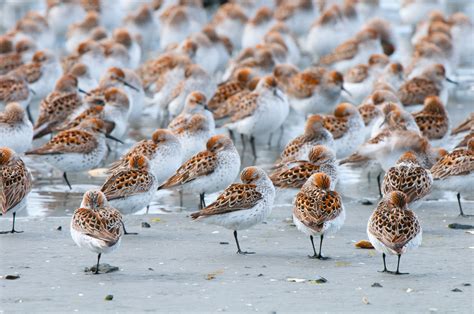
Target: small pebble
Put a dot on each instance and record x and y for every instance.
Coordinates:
(366, 202)
(59, 228)
(12, 277)
(376, 285)
(460, 226)
(466, 284)
(109, 297)
(145, 225)
(456, 290)
(260, 275)
(365, 300)
(224, 243)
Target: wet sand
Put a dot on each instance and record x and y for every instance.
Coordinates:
(180, 265)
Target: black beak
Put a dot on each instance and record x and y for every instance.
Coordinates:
(83, 91)
(344, 89)
(113, 138)
(127, 84)
(207, 108)
(451, 81)
(276, 94)
(32, 91)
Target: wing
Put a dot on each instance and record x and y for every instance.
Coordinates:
(223, 92)
(201, 164)
(293, 176)
(459, 162)
(127, 182)
(9, 62)
(357, 74)
(94, 225)
(394, 228)
(414, 181)
(245, 107)
(15, 184)
(346, 50)
(230, 105)
(91, 112)
(56, 108)
(303, 84)
(69, 141)
(416, 90)
(179, 122)
(337, 126)
(144, 147)
(236, 197)
(32, 71)
(433, 127)
(313, 207)
(465, 125)
(292, 148)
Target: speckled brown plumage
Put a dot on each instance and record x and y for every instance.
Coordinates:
(393, 224)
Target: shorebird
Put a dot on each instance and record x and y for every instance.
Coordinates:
(15, 184)
(314, 134)
(262, 111)
(433, 120)
(96, 225)
(16, 130)
(58, 105)
(229, 21)
(455, 171)
(294, 174)
(256, 27)
(77, 149)
(430, 83)
(163, 152)
(318, 210)
(393, 228)
(208, 171)
(241, 205)
(131, 188)
(409, 177)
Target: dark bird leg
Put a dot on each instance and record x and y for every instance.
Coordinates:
(460, 207)
(125, 230)
(379, 185)
(13, 227)
(270, 140)
(398, 267)
(281, 136)
(385, 270)
(67, 181)
(239, 251)
(147, 209)
(97, 267)
(242, 139)
(252, 143)
(202, 203)
(180, 198)
(320, 256)
(28, 112)
(315, 255)
(231, 135)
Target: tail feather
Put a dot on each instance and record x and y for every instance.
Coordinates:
(354, 158)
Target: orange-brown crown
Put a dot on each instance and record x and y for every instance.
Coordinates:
(322, 180)
(14, 112)
(94, 200)
(244, 75)
(137, 161)
(116, 95)
(218, 142)
(320, 153)
(67, 83)
(264, 14)
(434, 105)
(408, 157)
(250, 174)
(344, 109)
(23, 45)
(41, 56)
(78, 69)
(6, 154)
(313, 123)
(335, 77)
(196, 98)
(162, 135)
(115, 72)
(397, 199)
(122, 36)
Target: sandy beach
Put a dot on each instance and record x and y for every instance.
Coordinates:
(178, 265)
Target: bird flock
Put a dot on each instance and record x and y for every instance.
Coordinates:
(328, 83)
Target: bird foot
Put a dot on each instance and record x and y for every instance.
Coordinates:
(318, 256)
(10, 231)
(244, 252)
(392, 272)
(465, 215)
(130, 233)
